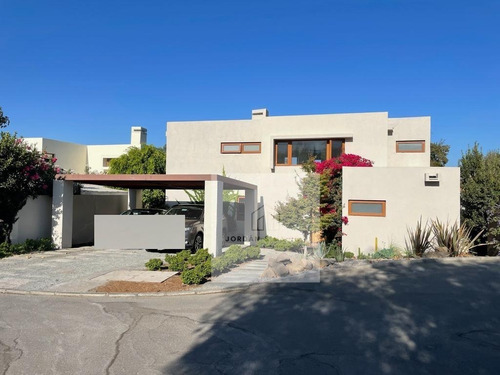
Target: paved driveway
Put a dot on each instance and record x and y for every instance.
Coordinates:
(69, 270)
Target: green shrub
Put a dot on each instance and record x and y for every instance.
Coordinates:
(46, 244)
(253, 252)
(456, 239)
(220, 264)
(235, 254)
(201, 256)
(4, 250)
(179, 261)
(154, 264)
(335, 251)
(205, 268)
(385, 254)
(364, 256)
(419, 239)
(192, 276)
(267, 242)
(348, 255)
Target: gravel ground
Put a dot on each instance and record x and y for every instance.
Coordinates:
(59, 270)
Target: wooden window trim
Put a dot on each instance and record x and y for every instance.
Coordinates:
(382, 214)
(230, 144)
(289, 149)
(241, 148)
(422, 144)
(243, 144)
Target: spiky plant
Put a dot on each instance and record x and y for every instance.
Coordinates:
(419, 239)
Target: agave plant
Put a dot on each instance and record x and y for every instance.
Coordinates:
(321, 251)
(456, 239)
(419, 239)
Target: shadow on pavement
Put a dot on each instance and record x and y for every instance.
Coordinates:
(409, 317)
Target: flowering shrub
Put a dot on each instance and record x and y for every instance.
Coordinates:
(24, 173)
(330, 171)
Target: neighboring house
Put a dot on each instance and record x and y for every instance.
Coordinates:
(380, 202)
(87, 158)
(35, 218)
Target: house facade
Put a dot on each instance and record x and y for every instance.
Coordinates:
(380, 202)
(87, 158)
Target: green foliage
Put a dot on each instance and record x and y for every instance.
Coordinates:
(321, 251)
(335, 251)
(302, 212)
(201, 256)
(419, 239)
(235, 254)
(456, 239)
(179, 261)
(24, 173)
(348, 255)
(4, 120)
(389, 253)
(146, 159)
(154, 264)
(221, 264)
(439, 154)
(287, 245)
(29, 246)
(253, 252)
(480, 194)
(192, 276)
(267, 242)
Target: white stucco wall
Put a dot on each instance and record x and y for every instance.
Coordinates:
(408, 129)
(407, 199)
(70, 156)
(34, 220)
(96, 154)
(194, 147)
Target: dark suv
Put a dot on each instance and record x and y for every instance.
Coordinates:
(193, 230)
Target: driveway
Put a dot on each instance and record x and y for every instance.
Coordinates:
(68, 270)
(419, 317)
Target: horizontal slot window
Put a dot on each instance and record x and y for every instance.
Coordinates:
(410, 146)
(240, 148)
(366, 208)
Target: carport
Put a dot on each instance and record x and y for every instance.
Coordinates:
(62, 201)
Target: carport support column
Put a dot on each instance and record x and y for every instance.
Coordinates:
(213, 217)
(62, 214)
(250, 217)
(134, 198)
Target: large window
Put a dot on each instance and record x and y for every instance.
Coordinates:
(296, 152)
(366, 208)
(410, 146)
(240, 148)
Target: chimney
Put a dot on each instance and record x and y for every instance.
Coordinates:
(259, 113)
(138, 136)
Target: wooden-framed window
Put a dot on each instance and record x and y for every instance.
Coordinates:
(366, 208)
(240, 148)
(410, 146)
(298, 151)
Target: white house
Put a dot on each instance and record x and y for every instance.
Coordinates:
(34, 219)
(267, 151)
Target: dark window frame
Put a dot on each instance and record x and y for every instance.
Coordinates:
(329, 147)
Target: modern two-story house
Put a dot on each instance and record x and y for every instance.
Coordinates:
(267, 151)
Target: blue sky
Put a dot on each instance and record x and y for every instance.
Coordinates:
(85, 71)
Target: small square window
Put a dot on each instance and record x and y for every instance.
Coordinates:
(230, 148)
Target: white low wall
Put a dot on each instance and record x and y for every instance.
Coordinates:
(34, 220)
(85, 207)
(407, 198)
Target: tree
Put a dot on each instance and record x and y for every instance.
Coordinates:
(24, 173)
(146, 159)
(480, 195)
(439, 154)
(4, 120)
(302, 213)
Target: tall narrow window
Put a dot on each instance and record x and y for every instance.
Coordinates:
(366, 208)
(410, 146)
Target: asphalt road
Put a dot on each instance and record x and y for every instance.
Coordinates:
(420, 317)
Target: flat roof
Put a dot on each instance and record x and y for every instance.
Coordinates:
(156, 181)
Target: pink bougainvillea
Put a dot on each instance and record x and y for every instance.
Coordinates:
(346, 160)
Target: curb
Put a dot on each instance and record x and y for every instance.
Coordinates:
(122, 295)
